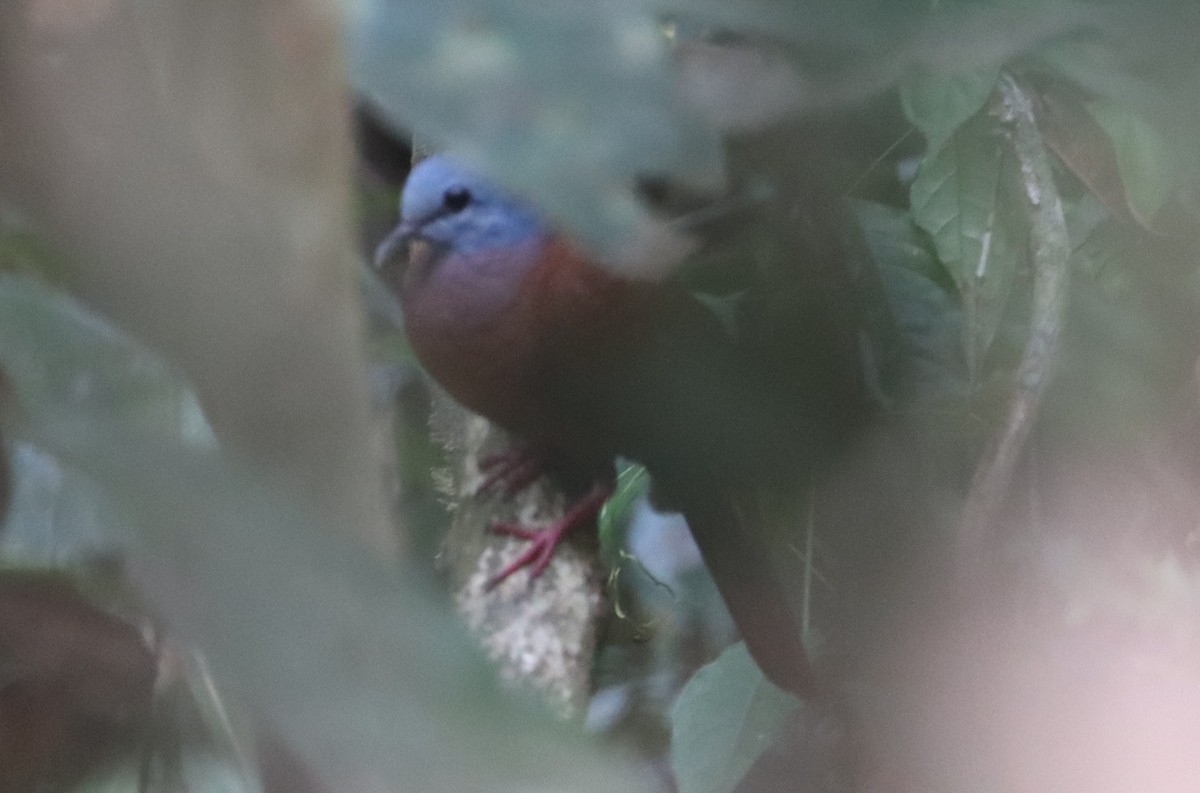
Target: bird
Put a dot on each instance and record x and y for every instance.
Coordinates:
(520, 325)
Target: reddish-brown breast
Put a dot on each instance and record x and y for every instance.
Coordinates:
(489, 328)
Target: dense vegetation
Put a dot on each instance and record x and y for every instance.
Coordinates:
(232, 539)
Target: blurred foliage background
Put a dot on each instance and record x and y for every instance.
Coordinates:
(225, 562)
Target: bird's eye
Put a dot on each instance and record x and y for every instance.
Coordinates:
(456, 199)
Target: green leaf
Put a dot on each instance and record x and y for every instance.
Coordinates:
(632, 483)
(938, 104)
(566, 102)
(60, 358)
(927, 316)
(24, 251)
(726, 716)
(957, 198)
(58, 516)
(895, 241)
(1143, 157)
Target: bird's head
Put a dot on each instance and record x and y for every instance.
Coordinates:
(457, 211)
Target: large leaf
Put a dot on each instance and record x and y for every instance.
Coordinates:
(367, 680)
(940, 104)
(61, 358)
(58, 516)
(726, 716)
(1086, 149)
(958, 198)
(566, 102)
(1151, 76)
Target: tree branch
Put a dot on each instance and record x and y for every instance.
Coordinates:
(1051, 251)
(541, 633)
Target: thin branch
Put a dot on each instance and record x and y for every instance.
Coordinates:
(1050, 250)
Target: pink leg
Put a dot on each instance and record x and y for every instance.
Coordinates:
(515, 468)
(543, 541)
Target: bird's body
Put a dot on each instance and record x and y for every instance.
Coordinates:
(494, 334)
(520, 327)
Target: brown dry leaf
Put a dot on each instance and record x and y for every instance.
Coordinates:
(77, 682)
(1082, 145)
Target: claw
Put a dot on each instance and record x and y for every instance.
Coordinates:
(536, 557)
(543, 541)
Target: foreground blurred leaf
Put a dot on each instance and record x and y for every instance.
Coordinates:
(302, 627)
(192, 742)
(567, 101)
(957, 198)
(726, 716)
(204, 775)
(62, 359)
(59, 516)
(1150, 73)
(24, 251)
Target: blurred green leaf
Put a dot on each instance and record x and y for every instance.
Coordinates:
(928, 318)
(194, 743)
(726, 716)
(633, 482)
(895, 240)
(24, 251)
(1144, 159)
(940, 104)
(200, 773)
(302, 627)
(59, 516)
(122, 778)
(1150, 74)
(567, 102)
(957, 198)
(61, 359)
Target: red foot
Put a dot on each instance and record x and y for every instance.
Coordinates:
(543, 541)
(516, 468)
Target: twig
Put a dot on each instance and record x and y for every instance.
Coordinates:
(1050, 252)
